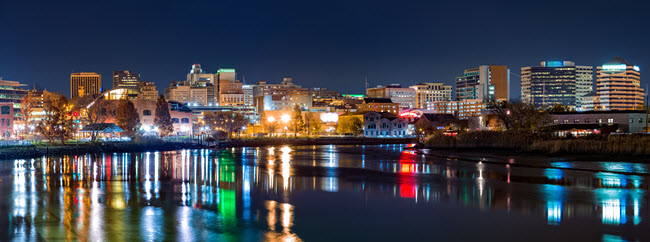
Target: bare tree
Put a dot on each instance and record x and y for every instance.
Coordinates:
(57, 122)
(27, 106)
(521, 116)
(95, 114)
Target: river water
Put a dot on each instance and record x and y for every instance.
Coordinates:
(321, 193)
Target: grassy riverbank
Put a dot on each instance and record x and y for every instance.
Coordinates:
(269, 141)
(144, 145)
(87, 148)
(635, 144)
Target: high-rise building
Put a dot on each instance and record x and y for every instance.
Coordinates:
(126, 79)
(556, 82)
(88, 82)
(618, 85)
(430, 92)
(148, 91)
(227, 75)
(488, 82)
(248, 95)
(404, 97)
(197, 77)
(11, 91)
(230, 89)
(198, 93)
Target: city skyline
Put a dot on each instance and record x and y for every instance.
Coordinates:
(318, 46)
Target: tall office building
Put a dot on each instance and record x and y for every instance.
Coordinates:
(488, 82)
(248, 95)
(618, 86)
(148, 91)
(85, 83)
(126, 79)
(404, 97)
(229, 75)
(426, 93)
(556, 82)
(230, 89)
(198, 79)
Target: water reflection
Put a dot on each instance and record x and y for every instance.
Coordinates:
(265, 193)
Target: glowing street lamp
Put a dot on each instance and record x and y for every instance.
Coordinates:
(286, 118)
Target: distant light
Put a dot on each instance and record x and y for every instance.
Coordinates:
(270, 119)
(329, 117)
(286, 118)
(554, 63)
(636, 68)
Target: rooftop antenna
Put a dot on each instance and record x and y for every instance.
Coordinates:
(366, 83)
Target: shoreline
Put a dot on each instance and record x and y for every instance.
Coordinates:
(109, 147)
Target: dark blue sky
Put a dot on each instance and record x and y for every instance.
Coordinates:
(331, 44)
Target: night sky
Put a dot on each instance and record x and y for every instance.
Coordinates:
(332, 44)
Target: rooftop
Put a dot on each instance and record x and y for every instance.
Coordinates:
(618, 61)
(377, 100)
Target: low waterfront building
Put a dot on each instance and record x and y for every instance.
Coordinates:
(249, 112)
(383, 125)
(438, 120)
(180, 114)
(577, 123)
(103, 131)
(583, 123)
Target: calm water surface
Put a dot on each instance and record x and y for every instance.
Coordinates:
(320, 193)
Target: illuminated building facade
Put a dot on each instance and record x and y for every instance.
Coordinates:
(247, 90)
(198, 79)
(231, 91)
(126, 79)
(430, 92)
(283, 96)
(148, 91)
(381, 125)
(618, 85)
(488, 82)
(6, 119)
(380, 105)
(192, 94)
(556, 82)
(404, 97)
(89, 83)
(461, 109)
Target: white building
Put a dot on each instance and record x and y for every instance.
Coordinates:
(385, 126)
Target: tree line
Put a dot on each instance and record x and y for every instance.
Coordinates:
(62, 118)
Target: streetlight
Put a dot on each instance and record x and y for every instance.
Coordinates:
(286, 118)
